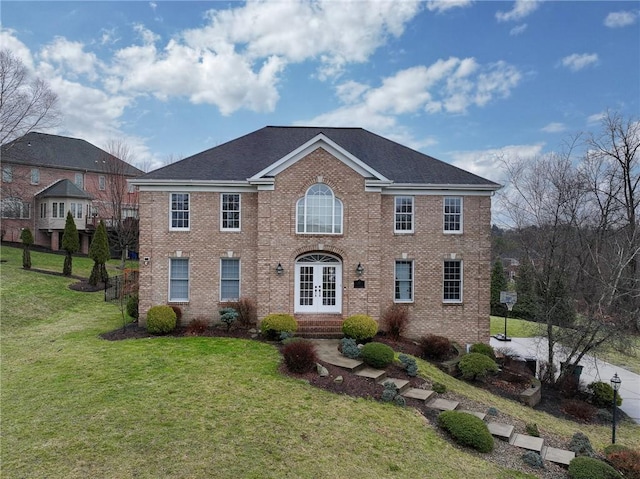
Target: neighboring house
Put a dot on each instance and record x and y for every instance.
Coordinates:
(45, 176)
(322, 223)
(511, 267)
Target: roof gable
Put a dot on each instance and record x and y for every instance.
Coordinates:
(63, 189)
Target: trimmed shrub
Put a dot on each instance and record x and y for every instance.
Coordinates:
(350, 348)
(396, 320)
(377, 355)
(435, 347)
(532, 429)
(578, 409)
(300, 356)
(359, 327)
(590, 468)
(533, 459)
(228, 316)
(197, 327)
(611, 448)
(161, 319)
(466, 430)
(627, 462)
(390, 391)
(132, 306)
(476, 365)
(581, 445)
(482, 348)
(409, 365)
(439, 388)
(492, 411)
(602, 394)
(274, 325)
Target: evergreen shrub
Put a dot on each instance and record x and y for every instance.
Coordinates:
(602, 394)
(482, 348)
(409, 365)
(274, 325)
(377, 355)
(533, 459)
(132, 306)
(161, 319)
(360, 327)
(350, 348)
(476, 365)
(467, 430)
(591, 468)
(228, 316)
(581, 445)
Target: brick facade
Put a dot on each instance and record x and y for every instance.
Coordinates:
(268, 237)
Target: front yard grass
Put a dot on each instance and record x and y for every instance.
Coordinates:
(76, 406)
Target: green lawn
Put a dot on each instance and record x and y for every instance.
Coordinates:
(76, 406)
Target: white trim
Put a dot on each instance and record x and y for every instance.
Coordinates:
(453, 301)
(458, 231)
(319, 141)
(179, 228)
(221, 279)
(412, 214)
(413, 281)
(239, 228)
(180, 300)
(317, 283)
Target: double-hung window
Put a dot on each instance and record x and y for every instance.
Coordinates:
(7, 174)
(319, 211)
(452, 215)
(102, 183)
(79, 180)
(76, 210)
(229, 279)
(230, 212)
(179, 211)
(179, 280)
(35, 176)
(452, 284)
(404, 281)
(403, 214)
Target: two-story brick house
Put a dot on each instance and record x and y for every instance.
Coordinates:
(321, 223)
(45, 176)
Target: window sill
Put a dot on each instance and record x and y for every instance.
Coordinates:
(452, 232)
(183, 302)
(404, 233)
(400, 301)
(452, 303)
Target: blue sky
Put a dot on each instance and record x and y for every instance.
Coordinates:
(460, 80)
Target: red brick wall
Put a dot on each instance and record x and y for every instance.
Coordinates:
(268, 237)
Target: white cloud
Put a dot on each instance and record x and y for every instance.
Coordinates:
(444, 5)
(554, 127)
(71, 58)
(596, 117)
(579, 61)
(520, 10)
(519, 30)
(620, 19)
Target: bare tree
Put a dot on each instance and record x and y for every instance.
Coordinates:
(118, 203)
(26, 103)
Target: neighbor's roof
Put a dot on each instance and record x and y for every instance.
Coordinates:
(63, 189)
(243, 157)
(43, 150)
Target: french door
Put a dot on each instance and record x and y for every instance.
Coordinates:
(318, 284)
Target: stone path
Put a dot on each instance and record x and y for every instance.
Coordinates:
(328, 352)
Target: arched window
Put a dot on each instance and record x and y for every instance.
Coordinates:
(319, 211)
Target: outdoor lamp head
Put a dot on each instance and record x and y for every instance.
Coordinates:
(615, 382)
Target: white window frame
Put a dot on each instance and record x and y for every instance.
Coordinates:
(459, 280)
(79, 181)
(62, 213)
(445, 213)
(223, 279)
(171, 211)
(35, 176)
(7, 174)
(187, 280)
(411, 279)
(102, 182)
(223, 220)
(43, 210)
(397, 214)
(303, 213)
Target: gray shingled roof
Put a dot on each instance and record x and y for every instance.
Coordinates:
(43, 150)
(243, 157)
(63, 189)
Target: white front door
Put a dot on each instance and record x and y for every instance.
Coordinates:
(318, 284)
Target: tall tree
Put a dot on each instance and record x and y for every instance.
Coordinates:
(99, 253)
(70, 243)
(27, 103)
(525, 308)
(27, 240)
(498, 284)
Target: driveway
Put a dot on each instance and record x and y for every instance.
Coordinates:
(593, 370)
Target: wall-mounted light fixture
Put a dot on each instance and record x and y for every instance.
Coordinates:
(359, 269)
(279, 269)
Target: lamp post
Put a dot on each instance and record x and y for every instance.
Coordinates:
(615, 384)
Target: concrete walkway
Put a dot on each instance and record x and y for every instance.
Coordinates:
(593, 370)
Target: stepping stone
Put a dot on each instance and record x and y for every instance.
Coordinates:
(372, 373)
(527, 442)
(479, 415)
(443, 404)
(420, 394)
(500, 430)
(401, 384)
(559, 456)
